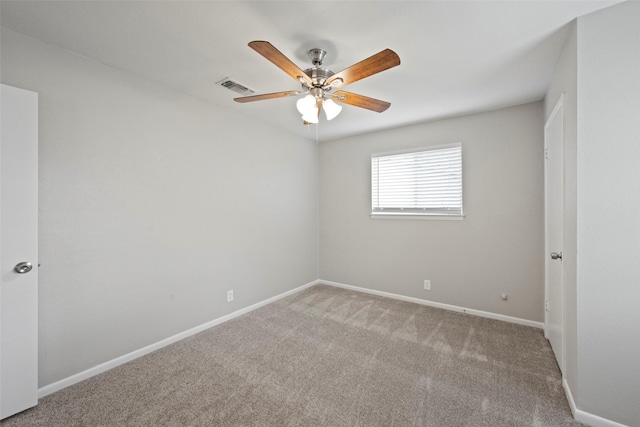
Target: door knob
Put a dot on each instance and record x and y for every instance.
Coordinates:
(23, 267)
(556, 255)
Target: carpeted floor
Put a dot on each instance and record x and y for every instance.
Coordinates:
(328, 357)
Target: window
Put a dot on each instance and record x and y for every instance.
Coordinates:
(421, 182)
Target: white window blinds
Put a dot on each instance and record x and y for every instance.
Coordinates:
(422, 182)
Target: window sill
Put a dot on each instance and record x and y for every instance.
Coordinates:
(417, 216)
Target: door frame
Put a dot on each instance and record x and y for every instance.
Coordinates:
(559, 106)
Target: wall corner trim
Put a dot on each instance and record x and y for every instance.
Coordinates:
(103, 367)
(435, 304)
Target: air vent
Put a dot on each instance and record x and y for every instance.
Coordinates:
(235, 86)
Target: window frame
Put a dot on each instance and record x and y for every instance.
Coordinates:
(396, 213)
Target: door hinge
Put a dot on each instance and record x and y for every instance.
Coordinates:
(546, 305)
(546, 153)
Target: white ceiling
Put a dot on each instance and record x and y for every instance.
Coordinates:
(457, 57)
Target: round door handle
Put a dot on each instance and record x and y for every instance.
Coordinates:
(555, 255)
(23, 267)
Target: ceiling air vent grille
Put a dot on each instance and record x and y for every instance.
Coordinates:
(235, 86)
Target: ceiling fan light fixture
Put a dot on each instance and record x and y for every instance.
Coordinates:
(307, 105)
(311, 117)
(331, 109)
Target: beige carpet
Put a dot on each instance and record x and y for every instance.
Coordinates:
(328, 357)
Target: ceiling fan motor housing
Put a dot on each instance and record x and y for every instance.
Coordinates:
(318, 75)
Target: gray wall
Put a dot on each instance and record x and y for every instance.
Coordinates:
(152, 205)
(598, 73)
(497, 248)
(609, 213)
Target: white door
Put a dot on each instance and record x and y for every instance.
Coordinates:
(554, 186)
(19, 244)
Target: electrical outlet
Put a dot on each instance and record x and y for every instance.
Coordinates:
(230, 295)
(427, 285)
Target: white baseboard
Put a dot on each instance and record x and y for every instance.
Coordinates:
(567, 392)
(103, 367)
(590, 419)
(586, 417)
(480, 313)
(594, 420)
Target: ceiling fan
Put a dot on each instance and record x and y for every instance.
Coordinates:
(318, 83)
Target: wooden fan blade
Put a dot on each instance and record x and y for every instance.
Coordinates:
(267, 50)
(361, 101)
(267, 96)
(374, 64)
